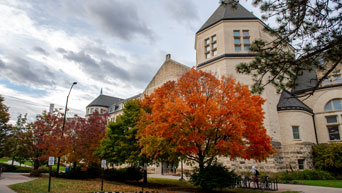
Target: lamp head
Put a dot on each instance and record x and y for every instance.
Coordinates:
(74, 83)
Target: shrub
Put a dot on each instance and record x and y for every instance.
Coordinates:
(10, 168)
(35, 173)
(306, 175)
(215, 176)
(328, 157)
(124, 174)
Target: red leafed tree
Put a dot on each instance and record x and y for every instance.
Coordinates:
(48, 129)
(201, 117)
(85, 137)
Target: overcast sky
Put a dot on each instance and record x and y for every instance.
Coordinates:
(117, 45)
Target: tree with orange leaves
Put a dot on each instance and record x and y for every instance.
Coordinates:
(201, 117)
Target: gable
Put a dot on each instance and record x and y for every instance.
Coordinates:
(170, 70)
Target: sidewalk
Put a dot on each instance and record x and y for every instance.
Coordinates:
(9, 162)
(12, 178)
(165, 176)
(307, 189)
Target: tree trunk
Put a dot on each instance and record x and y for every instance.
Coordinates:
(145, 174)
(36, 164)
(74, 167)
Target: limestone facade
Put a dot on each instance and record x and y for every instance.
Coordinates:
(295, 123)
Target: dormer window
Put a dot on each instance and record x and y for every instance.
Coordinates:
(210, 46)
(237, 40)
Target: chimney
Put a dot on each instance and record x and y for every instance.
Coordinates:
(51, 108)
(168, 56)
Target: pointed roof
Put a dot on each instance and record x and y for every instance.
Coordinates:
(104, 101)
(226, 12)
(307, 80)
(288, 101)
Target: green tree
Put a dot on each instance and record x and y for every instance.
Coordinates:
(14, 141)
(308, 37)
(328, 157)
(120, 145)
(4, 118)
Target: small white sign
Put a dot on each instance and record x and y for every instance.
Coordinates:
(51, 161)
(103, 163)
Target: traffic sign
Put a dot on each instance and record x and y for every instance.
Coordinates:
(51, 161)
(103, 163)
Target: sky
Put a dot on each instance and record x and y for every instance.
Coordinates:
(116, 45)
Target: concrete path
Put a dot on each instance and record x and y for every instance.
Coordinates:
(165, 176)
(12, 178)
(308, 189)
(9, 162)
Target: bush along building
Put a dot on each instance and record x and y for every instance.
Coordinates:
(295, 123)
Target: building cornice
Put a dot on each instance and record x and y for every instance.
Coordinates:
(235, 55)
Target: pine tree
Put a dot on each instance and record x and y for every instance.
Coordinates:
(308, 37)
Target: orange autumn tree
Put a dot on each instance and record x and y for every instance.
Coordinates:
(200, 118)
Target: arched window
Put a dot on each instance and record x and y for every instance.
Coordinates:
(334, 105)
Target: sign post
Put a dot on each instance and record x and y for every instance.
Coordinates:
(103, 165)
(51, 163)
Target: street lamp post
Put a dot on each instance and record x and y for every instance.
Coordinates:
(66, 107)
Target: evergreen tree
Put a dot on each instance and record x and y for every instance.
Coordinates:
(308, 37)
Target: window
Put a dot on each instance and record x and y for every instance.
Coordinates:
(210, 46)
(207, 48)
(246, 41)
(237, 40)
(334, 105)
(337, 77)
(333, 127)
(214, 52)
(334, 78)
(295, 131)
(207, 41)
(101, 111)
(331, 119)
(301, 164)
(213, 38)
(334, 133)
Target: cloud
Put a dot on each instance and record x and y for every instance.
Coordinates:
(184, 12)
(98, 68)
(117, 18)
(40, 50)
(21, 71)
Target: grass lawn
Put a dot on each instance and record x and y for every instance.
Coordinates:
(326, 183)
(93, 185)
(4, 159)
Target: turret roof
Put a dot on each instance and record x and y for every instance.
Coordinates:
(228, 12)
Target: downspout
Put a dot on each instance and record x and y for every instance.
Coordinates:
(314, 122)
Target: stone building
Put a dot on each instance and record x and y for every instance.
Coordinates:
(295, 123)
